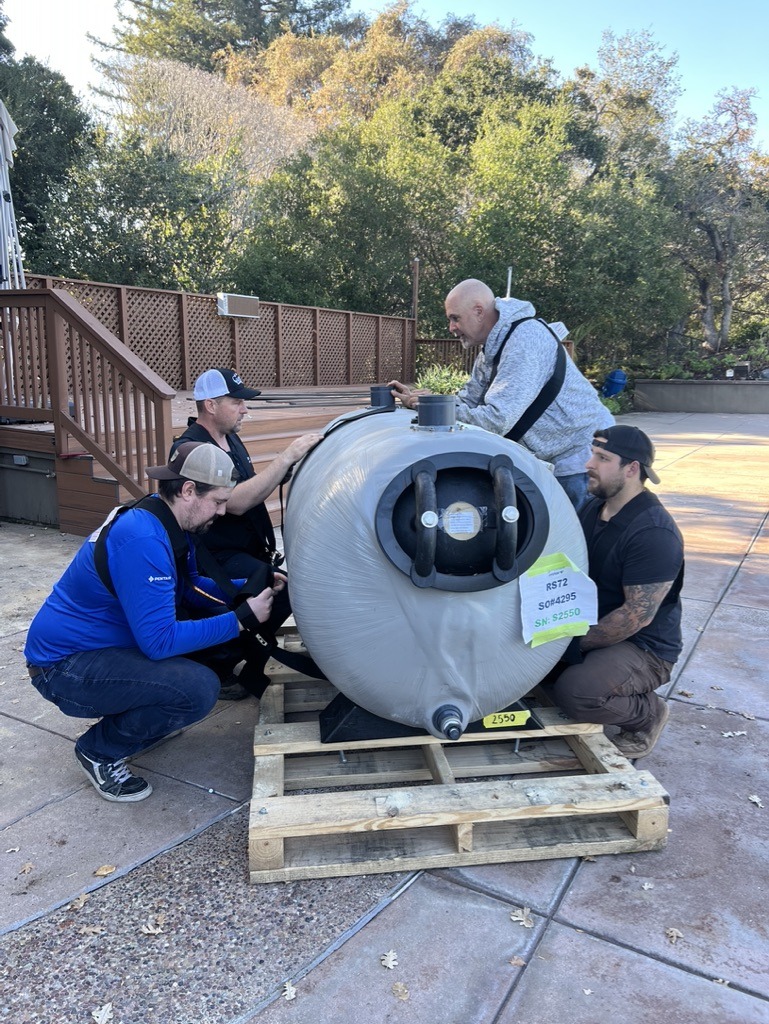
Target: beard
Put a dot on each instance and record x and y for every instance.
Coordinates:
(603, 491)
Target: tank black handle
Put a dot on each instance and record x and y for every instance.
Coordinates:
(505, 566)
(424, 475)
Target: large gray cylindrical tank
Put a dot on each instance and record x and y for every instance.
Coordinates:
(404, 547)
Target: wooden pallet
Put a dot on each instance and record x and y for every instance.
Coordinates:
(321, 810)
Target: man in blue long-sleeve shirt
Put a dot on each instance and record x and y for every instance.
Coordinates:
(122, 654)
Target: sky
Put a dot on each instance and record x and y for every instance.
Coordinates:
(720, 45)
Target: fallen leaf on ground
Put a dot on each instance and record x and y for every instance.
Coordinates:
(289, 992)
(13, 849)
(716, 687)
(517, 961)
(674, 935)
(79, 902)
(523, 916)
(728, 735)
(103, 1014)
(754, 799)
(152, 928)
(720, 981)
(389, 959)
(648, 885)
(588, 991)
(90, 929)
(26, 868)
(686, 693)
(400, 991)
(104, 870)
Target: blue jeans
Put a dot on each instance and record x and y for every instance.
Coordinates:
(139, 701)
(575, 487)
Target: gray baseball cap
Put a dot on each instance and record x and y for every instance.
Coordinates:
(199, 461)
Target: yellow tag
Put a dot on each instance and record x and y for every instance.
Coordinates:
(506, 719)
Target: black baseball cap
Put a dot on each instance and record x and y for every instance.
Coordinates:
(219, 382)
(629, 443)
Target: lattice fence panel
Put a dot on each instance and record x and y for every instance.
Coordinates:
(298, 354)
(445, 352)
(363, 368)
(210, 335)
(154, 332)
(392, 349)
(258, 366)
(332, 340)
(101, 300)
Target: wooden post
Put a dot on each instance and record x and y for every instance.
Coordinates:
(279, 345)
(415, 294)
(57, 365)
(316, 345)
(235, 344)
(122, 313)
(185, 342)
(378, 351)
(348, 315)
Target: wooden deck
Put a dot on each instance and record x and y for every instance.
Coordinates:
(86, 494)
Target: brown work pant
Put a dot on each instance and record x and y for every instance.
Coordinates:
(612, 686)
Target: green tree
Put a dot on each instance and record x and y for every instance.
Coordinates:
(133, 214)
(6, 46)
(631, 98)
(195, 31)
(54, 131)
(719, 186)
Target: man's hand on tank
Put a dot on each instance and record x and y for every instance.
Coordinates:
(408, 398)
(299, 448)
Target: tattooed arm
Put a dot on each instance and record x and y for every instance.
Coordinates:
(640, 607)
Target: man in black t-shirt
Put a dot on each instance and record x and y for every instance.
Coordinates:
(636, 559)
(242, 541)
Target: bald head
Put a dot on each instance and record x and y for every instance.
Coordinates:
(471, 312)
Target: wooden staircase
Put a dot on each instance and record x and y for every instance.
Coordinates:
(86, 493)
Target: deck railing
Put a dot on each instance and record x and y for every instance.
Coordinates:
(60, 365)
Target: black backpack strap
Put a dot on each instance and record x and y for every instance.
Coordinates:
(550, 389)
(176, 535)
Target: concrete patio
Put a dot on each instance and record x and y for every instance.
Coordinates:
(147, 909)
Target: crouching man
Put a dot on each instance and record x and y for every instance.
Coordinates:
(636, 559)
(115, 639)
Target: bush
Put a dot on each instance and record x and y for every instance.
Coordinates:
(442, 380)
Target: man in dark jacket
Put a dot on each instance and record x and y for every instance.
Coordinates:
(242, 541)
(636, 560)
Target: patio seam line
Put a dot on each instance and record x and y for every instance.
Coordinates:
(332, 948)
(658, 958)
(560, 895)
(123, 872)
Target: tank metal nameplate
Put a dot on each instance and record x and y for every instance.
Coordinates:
(506, 719)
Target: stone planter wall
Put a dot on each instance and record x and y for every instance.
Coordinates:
(701, 396)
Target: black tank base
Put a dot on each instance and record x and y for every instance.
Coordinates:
(342, 721)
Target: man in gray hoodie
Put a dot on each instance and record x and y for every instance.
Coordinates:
(518, 357)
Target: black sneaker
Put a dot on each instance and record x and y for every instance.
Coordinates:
(113, 780)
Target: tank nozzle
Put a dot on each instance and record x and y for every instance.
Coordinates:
(448, 720)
